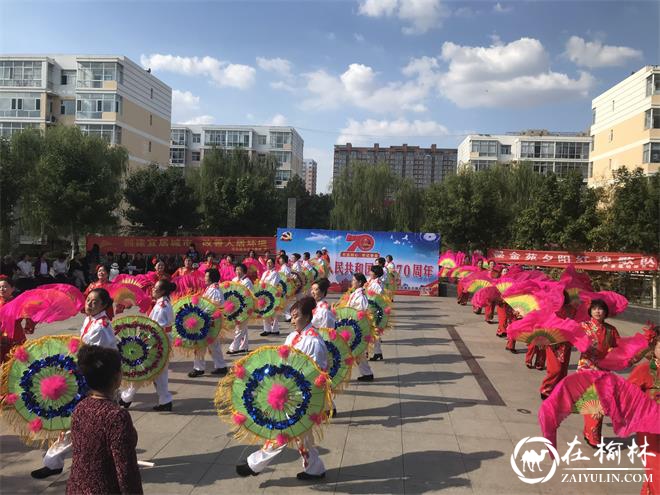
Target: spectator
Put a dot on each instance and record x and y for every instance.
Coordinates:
(8, 267)
(172, 264)
(25, 275)
(102, 433)
(110, 258)
(186, 269)
(192, 252)
(60, 269)
(123, 262)
(42, 270)
(77, 271)
(140, 263)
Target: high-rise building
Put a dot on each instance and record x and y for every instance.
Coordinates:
(424, 166)
(558, 152)
(108, 96)
(188, 143)
(309, 175)
(625, 126)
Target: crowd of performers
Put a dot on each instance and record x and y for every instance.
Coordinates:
(552, 317)
(189, 312)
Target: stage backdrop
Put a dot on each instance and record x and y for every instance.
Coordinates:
(415, 254)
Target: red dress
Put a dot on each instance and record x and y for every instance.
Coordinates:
(646, 376)
(603, 337)
(104, 457)
(180, 272)
(557, 357)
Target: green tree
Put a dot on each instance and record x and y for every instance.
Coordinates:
(408, 208)
(160, 200)
(237, 193)
(629, 214)
(362, 195)
(18, 159)
(77, 182)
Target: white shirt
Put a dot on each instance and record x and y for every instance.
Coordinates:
(60, 267)
(322, 316)
(375, 285)
(26, 268)
(297, 266)
(306, 264)
(162, 312)
(285, 270)
(245, 281)
(270, 277)
(358, 300)
(97, 330)
(311, 343)
(214, 293)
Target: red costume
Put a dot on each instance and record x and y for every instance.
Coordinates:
(646, 376)
(180, 272)
(535, 357)
(20, 329)
(100, 285)
(558, 357)
(604, 337)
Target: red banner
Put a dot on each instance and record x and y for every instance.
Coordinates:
(179, 245)
(603, 262)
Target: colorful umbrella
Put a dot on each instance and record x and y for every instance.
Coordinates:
(197, 323)
(355, 328)
(41, 385)
(144, 347)
(340, 358)
(239, 303)
(268, 299)
(277, 394)
(380, 309)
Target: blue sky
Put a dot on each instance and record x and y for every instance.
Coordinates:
(364, 71)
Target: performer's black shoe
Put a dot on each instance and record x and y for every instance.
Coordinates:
(275, 333)
(376, 357)
(530, 366)
(265, 333)
(512, 351)
(365, 378)
(303, 476)
(124, 404)
(501, 335)
(163, 407)
(245, 470)
(44, 472)
(220, 371)
(238, 351)
(195, 373)
(590, 444)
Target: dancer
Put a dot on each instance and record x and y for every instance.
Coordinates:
(96, 330)
(163, 314)
(306, 339)
(241, 340)
(186, 269)
(390, 263)
(272, 277)
(103, 282)
(358, 300)
(20, 328)
(323, 317)
(209, 263)
(306, 262)
(285, 274)
(212, 292)
(604, 337)
(375, 285)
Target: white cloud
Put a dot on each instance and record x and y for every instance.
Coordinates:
(506, 75)
(200, 120)
(502, 9)
(358, 37)
(358, 86)
(383, 131)
(278, 119)
(184, 100)
(419, 15)
(594, 54)
(282, 86)
(220, 72)
(322, 238)
(280, 66)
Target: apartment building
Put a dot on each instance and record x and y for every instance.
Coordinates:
(625, 127)
(188, 143)
(424, 166)
(558, 152)
(108, 96)
(310, 168)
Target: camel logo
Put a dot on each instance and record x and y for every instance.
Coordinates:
(531, 460)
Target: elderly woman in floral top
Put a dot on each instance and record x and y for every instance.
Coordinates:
(604, 337)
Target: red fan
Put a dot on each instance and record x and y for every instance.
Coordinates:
(41, 306)
(187, 285)
(70, 290)
(140, 281)
(627, 351)
(546, 328)
(616, 303)
(571, 278)
(128, 295)
(533, 295)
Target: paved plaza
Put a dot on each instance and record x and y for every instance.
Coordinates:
(446, 409)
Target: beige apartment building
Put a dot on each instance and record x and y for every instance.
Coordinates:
(625, 128)
(108, 96)
(309, 174)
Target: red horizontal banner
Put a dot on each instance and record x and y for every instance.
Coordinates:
(179, 245)
(604, 262)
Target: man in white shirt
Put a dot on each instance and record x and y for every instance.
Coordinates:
(241, 341)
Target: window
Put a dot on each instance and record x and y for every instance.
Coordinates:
(542, 167)
(93, 105)
(485, 148)
(215, 138)
(196, 156)
(652, 119)
(282, 157)
(93, 74)
(108, 132)
(177, 156)
(151, 119)
(151, 93)
(149, 146)
(653, 85)
(651, 153)
(196, 138)
(20, 73)
(262, 140)
(593, 115)
(64, 79)
(537, 149)
(611, 135)
(279, 139)
(238, 139)
(9, 128)
(573, 150)
(68, 107)
(178, 137)
(50, 106)
(68, 77)
(505, 149)
(481, 164)
(37, 104)
(20, 105)
(591, 148)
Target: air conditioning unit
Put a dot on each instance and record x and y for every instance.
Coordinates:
(53, 119)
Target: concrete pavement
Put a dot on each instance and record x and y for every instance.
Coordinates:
(446, 409)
